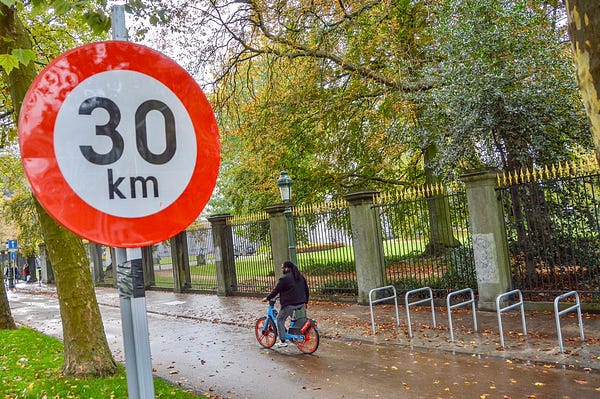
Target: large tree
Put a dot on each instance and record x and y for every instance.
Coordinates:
(584, 30)
(376, 94)
(506, 89)
(321, 89)
(86, 349)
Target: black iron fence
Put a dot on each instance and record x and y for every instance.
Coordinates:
(552, 219)
(162, 263)
(552, 224)
(201, 258)
(324, 248)
(254, 268)
(426, 240)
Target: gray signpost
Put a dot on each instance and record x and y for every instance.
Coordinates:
(130, 282)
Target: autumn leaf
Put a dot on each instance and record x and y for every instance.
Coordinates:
(8, 62)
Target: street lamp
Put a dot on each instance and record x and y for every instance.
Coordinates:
(285, 189)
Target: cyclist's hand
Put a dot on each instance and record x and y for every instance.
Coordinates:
(265, 299)
(306, 306)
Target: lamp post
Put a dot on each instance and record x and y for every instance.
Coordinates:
(285, 189)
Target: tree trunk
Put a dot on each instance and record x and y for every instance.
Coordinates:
(441, 236)
(6, 320)
(86, 349)
(584, 30)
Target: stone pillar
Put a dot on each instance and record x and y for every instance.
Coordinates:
(95, 255)
(46, 267)
(489, 237)
(224, 258)
(148, 267)
(279, 237)
(181, 262)
(367, 243)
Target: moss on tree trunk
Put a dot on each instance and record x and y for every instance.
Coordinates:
(86, 349)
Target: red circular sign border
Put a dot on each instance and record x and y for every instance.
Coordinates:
(36, 138)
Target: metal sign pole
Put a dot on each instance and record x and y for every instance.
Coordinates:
(130, 281)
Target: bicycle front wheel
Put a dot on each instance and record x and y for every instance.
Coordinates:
(311, 341)
(267, 337)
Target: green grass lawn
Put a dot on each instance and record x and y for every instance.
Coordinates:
(30, 365)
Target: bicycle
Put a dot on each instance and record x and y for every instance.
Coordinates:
(303, 332)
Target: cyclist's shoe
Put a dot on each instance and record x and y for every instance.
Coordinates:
(281, 344)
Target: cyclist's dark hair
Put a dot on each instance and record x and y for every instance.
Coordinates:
(293, 268)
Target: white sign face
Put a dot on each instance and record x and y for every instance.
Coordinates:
(118, 140)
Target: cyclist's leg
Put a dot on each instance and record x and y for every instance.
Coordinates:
(282, 316)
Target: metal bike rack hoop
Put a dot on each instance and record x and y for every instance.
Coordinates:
(557, 314)
(514, 305)
(371, 302)
(409, 304)
(458, 305)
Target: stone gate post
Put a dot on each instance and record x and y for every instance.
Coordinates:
(489, 237)
(279, 237)
(367, 243)
(95, 255)
(181, 262)
(224, 258)
(148, 267)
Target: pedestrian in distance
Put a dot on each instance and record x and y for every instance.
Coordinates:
(293, 295)
(26, 273)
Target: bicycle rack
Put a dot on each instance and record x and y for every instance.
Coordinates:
(567, 310)
(408, 304)
(458, 305)
(371, 302)
(514, 305)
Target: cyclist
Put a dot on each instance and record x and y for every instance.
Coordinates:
(293, 295)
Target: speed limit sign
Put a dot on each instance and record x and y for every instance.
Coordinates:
(119, 144)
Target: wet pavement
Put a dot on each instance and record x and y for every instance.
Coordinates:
(206, 343)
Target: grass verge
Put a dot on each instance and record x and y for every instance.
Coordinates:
(30, 367)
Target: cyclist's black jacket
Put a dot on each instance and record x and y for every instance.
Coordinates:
(290, 292)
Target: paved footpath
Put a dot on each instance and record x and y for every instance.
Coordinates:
(212, 358)
(352, 322)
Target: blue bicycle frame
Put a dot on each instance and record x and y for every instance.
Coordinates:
(302, 331)
(272, 318)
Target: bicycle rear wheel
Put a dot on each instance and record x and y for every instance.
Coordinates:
(265, 338)
(311, 341)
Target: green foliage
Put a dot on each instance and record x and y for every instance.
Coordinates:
(98, 21)
(31, 368)
(507, 87)
(8, 62)
(17, 207)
